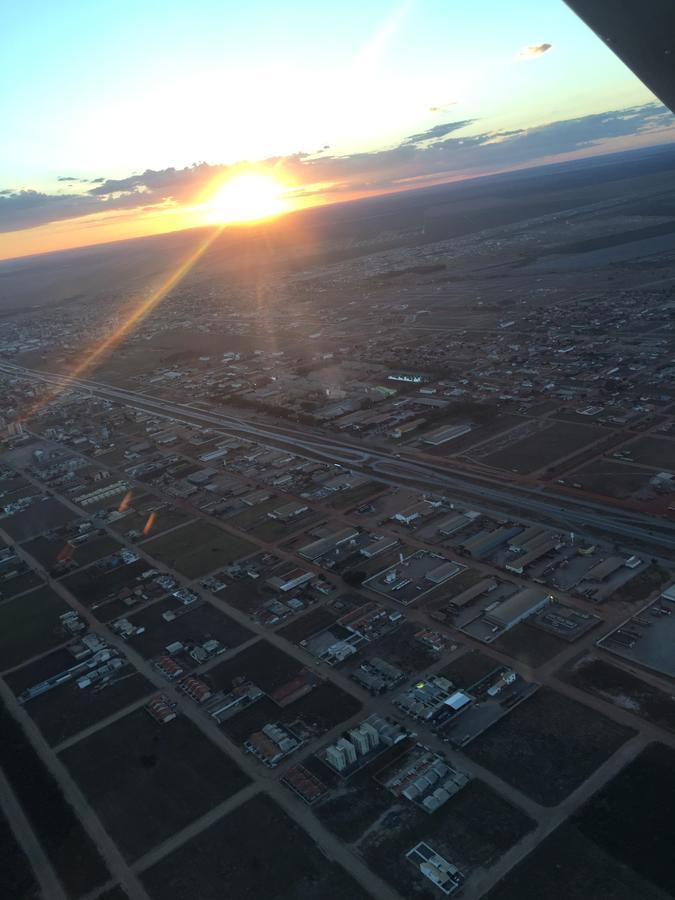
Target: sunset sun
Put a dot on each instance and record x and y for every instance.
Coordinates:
(246, 198)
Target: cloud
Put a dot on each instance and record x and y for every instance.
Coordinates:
(442, 107)
(72, 179)
(534, 51)
(433, 155)
(437, 131)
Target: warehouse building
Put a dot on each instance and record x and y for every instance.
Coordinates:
(517, 608)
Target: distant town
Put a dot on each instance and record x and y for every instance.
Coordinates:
(355, 574)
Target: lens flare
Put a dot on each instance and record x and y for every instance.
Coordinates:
(126, 500)
(147, 528)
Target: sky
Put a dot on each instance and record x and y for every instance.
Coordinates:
(123, 118)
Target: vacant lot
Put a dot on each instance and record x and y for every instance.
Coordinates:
(473, 829)
(623, 689)
(470, 669)
(70, 850)
(262, 663)
(257, 851)
(309, 624)
(16, 876)
(94, 584)
(654, 451)
(548, 745)
(321, 709)
(198, 548)
(402, 650)
(529, 645)
(640, 588)
(48, 551)
(30, 625)
(544, 448)
(193, 625)
(165, 517)
(568, 866)
(356, 804)
(41, 516)
(614, 479)
(166, 776)
(67, 709)
(19, 584)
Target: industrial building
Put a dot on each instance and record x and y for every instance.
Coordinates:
(533, 551)
(425, 779)
(455, 523)
(486, 542)
(432, 697)
(436, 868)
(459, 601)
(517, 608)
(445, 434)
(272, 744)
(326, 544)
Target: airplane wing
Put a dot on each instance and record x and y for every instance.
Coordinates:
(641, 33)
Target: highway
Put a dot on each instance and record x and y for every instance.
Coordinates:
(568, 513)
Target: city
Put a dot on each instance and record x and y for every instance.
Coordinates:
(337, 519)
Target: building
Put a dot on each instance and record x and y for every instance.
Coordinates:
(445, 434)
(436, 868)
(517, 608)
(486, 542)
(602, 570)
(326, 544)
(160, 709)
(271, 744)
(532, 555)
(484, 586)
(453, 524)
(288, 511)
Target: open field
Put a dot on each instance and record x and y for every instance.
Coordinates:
(311, 623)
(548, 745)
(168, 775)
(30, 625)
(479, 433)
(654, 451)
(402, 650)
(16, 876)
(166, 517)
(93, 584)
(67, 710)
(569, 866)
(262, 663)
(354, 805)
(613, 479)
(42, 515)
(623, 689)
(193, 624)
(543, 448)
(18, 585)
(257, 851)
(47, 551)
(529, 645)
(469, 669)
(198, 548)
(322, 708)
(70, 850)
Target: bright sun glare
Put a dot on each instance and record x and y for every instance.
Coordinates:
(246, 198)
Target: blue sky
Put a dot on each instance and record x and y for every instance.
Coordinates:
(109, 89)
